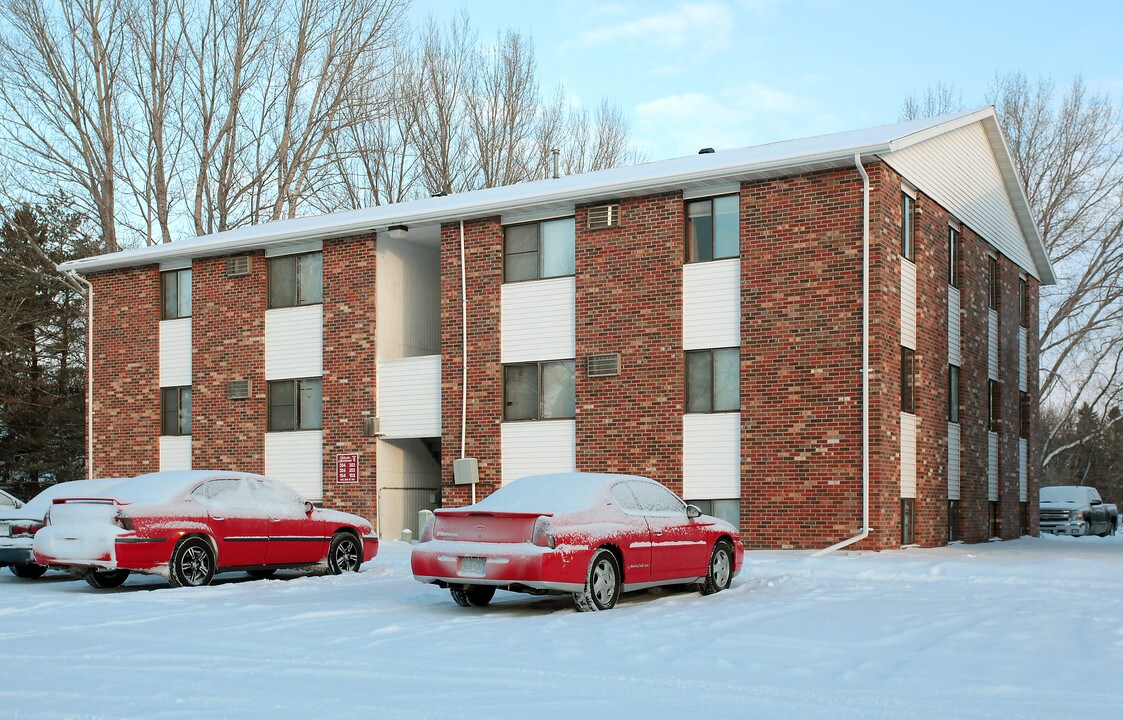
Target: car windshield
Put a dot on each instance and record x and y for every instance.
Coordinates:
(556, 494)
(1064, 494)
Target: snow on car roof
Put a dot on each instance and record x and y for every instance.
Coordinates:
(36, 507)
(160, 486)
(555, 493)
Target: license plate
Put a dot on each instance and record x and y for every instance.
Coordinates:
(472, 566)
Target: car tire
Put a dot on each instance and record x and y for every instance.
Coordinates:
(105, 579)
(344, 554)
(602, 583)
(719, 572)
(262, 573)
(473, 595)
(192, 564)
(28, 571)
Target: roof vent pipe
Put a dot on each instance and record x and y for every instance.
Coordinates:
(706, 151)
(555, 153)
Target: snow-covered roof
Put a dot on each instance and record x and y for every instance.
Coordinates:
(757, 162)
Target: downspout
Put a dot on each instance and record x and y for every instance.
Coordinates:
(464, 354)
(89, 371)
(865, 531)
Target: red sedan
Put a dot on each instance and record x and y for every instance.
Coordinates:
(588, 534)
(189, 525)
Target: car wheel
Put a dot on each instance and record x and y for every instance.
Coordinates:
(602, 583)
(344, 554)
(262, 573)
(104, 579)
(719, 574)
(192, 564)
(28, 571)
(473, 595)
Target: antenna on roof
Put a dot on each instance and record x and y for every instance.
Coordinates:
(555, 153)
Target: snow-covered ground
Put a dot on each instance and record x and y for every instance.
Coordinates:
(1025, 629)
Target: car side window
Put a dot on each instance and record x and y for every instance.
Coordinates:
(224, 493)
(277, 498)
(626, 499)
(656, 500)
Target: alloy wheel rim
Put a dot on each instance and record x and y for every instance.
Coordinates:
(721, 568)
(604, 582)
(194, 565)
(346, 557)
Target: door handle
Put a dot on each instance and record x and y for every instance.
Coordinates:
(218, 517)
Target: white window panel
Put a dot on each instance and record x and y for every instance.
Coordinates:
(538, 320)
(294, 342)
(953, 326)
(711, 455)
(296, 459)
(908, 304)
(953, 461)
(409, 397)
(175, 452)
(711, 304)
(992, 344)
(534, 448)
(1023, 469)
(992, 466)
(175, 352)
(1023, 375)
(908, 455)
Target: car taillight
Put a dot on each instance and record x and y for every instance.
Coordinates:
(123, 521)
(427, 529)
(25, 529)
(543, 535)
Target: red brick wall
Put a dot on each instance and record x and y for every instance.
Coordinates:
(1033, 351)
(126, 365)
(349, 362)
(228, 338)
(629, 301)
(484, 268)
(801, 332)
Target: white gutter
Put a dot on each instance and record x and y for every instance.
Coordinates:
(89, 371)
(865, 531)
(464, 353)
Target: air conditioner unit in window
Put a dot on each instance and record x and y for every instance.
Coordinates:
(238, 266)
(604, 216)
(602, 365)
(238, 390)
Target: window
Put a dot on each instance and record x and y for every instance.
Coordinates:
(995, 409)
(908, 529)
(1023, 415)
(953, 520)
(540, 391)
(175, 410)
(953, 394)
(908, 380)
(953, 257)
(657, 500)
(713, 229)
(727, 510)
(538, 250)
(992, 282)
(175, 291)
(296, 280)
(1023, 301)
(713, 380)
(294, 405)
(908, 249)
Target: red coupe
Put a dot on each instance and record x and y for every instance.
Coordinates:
(189, 525)
(588, 534)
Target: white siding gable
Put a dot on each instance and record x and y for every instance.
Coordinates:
(409, 397)
(908, 304)
(908, 455)
(711, 456)
(294, 340)
(953, 326)
(175, 452)
(296, 459)
(959, 171)
(953, 461)
(537, 320)
(175, 352)
(533, 448)
(711, 304)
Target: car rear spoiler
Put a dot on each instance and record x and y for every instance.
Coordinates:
(107, 501)
(465, 512)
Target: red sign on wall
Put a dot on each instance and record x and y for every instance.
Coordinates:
(347, 468)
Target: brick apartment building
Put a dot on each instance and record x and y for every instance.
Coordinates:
(699, 320)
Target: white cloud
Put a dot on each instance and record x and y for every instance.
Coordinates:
(688, 24)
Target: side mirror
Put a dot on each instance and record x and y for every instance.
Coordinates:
(308, 507)
(692, 511)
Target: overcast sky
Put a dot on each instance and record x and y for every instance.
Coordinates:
(731, 73)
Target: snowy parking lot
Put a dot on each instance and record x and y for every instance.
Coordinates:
(1024, 629)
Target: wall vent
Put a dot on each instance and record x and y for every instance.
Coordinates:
(603, 365)
(238, 390)
(238, 266)
(604, 216)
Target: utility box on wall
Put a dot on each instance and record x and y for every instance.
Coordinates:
(465, 471)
